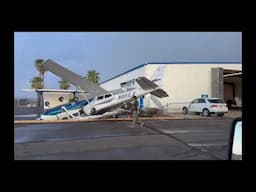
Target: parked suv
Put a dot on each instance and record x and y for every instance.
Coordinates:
(206, 106)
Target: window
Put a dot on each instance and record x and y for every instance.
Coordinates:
(123, 84)
(201, 101)
(195, 101)
(126, 84)
(61, 99)
(108, 95)
(215, 100)
(100, 97)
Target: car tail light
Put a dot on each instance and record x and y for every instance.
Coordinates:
(213, 106)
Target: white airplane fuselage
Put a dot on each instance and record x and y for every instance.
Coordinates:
(100, 103)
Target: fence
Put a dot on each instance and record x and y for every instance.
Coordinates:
(174, 107)
(24, 102)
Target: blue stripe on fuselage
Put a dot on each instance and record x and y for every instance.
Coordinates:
(58, 109)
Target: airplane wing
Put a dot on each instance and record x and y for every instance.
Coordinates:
(159, 93)
(55, 90)
(115, 112)
(147, 84)
(73, 78)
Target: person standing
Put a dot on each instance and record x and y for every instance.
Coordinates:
(135, 113)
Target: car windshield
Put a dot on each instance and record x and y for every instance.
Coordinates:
(215, 100)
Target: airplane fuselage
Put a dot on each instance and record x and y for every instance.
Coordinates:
(100, 103)
(96, 105)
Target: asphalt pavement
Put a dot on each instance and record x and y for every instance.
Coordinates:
(197, 139)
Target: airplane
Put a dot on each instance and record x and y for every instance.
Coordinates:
(97, 102)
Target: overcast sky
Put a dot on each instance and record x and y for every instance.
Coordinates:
(111, 53)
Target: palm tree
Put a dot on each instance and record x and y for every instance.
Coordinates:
(63, 84)
(40, 69)
(37, 83)
(93, 76)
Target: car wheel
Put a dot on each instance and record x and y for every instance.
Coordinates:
(220, 114)
(185, 110)
(205, 113)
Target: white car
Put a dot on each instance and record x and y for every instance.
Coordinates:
(206, 106)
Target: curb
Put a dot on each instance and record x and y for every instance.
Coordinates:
(112, 119)
(91, 120)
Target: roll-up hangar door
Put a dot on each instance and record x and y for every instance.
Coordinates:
(227, 84)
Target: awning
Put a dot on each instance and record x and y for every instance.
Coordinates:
(232, 73)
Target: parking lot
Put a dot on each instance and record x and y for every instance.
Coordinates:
(230, 114)
(184, 139)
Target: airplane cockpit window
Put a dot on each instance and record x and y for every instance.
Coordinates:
(128, 84)
(100, 97)
(123, 84)
(108, 95)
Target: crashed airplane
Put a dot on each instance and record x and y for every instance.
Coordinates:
(97, 102)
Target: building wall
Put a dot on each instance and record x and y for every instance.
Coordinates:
(183, 82)
(53, 98)
(115, 83)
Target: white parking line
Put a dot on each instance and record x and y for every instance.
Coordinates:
(29, 115)
(206, 144)
(194, 131)
(168, 131)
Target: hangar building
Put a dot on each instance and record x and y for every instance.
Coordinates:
(185, 81)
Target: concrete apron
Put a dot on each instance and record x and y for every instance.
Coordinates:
(169, 117)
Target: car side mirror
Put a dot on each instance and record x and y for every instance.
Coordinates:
(235, 144)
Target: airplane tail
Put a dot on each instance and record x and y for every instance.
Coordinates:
(159, 93)
(146, 84)
(158, 75)
(158, 103)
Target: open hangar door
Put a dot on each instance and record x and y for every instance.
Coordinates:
(232, 88)
(227, 84)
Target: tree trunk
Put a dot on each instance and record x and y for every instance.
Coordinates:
(39, 104)
(43, 80)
